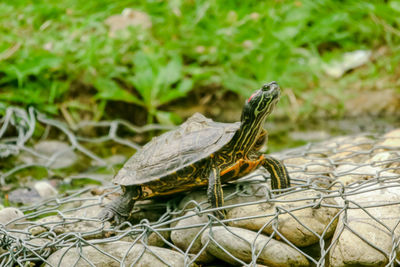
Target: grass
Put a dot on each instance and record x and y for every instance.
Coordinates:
(57, 55)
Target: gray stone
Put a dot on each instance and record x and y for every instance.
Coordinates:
(158, 239)
(198, 197)
(56, 154)
(45, 189)
(310, 165)
(391, 140)
(23, 195)
(312, 170)
(15, 239)
(241, 242)
(351, 173)
(354, 150)
(119, 249)
(150, 210)
(10, 214)
(388, 160)
(6, 216)
(183, 238)
(338, 66)
(383, 159)
(315, 218)
(153, 239)
(81, 218)
(251, 192)
(73, 221)
(348, 248)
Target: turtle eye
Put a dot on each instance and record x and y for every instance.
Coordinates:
(270, 86)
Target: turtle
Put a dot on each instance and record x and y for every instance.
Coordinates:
(200, 153)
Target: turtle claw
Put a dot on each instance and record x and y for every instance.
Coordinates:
(105, 215)
(220, 214)
(108, 214)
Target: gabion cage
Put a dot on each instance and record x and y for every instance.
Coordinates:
(343, 208)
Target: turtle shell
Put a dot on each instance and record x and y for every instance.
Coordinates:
(194, 140)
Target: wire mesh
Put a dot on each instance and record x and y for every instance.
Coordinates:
(344, 191)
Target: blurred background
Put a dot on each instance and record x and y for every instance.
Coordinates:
(160, 61)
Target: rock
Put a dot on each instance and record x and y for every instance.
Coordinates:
(45, 190)
(316, 165)
(150, 210)
(20, 239)
(76, 218)
(353, 150)
(239, 242)
(390, 140)
(41, 190)
(12, 238)
(376, 103)
(348, 248)
(199, 198)
(312, 170)
(315, 218)
(350, 173)
(383, 159)
(59, 225)
(245, 192)
(8, 215)
(158, 240)
(183, 238)
(119, 249)
(390, 160)
(152, 240)
(73, 221)
(56, 155)
(348, 61)
(128, 18)
(24, 196)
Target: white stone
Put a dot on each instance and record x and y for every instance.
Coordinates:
(45, 189)
(119, 250)
(241, 242)
(348, 248)
(183, 238)
(315, 218)
(10, 214)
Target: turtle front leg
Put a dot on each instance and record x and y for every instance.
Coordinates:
(214, 191)
(119, 210)
(279, 175)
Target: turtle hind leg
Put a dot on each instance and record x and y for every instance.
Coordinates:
(119, 209)
(280, 178)
(215, 193)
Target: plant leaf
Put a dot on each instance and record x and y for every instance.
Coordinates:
(110, 90)
(167, 118)
(180, 91)
(143, 80)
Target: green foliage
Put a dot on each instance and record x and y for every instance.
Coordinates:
(51, 51)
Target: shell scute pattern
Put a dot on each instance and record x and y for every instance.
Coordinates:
(172, 151)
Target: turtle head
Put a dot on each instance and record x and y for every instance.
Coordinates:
(261, 103)
(250, 136)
